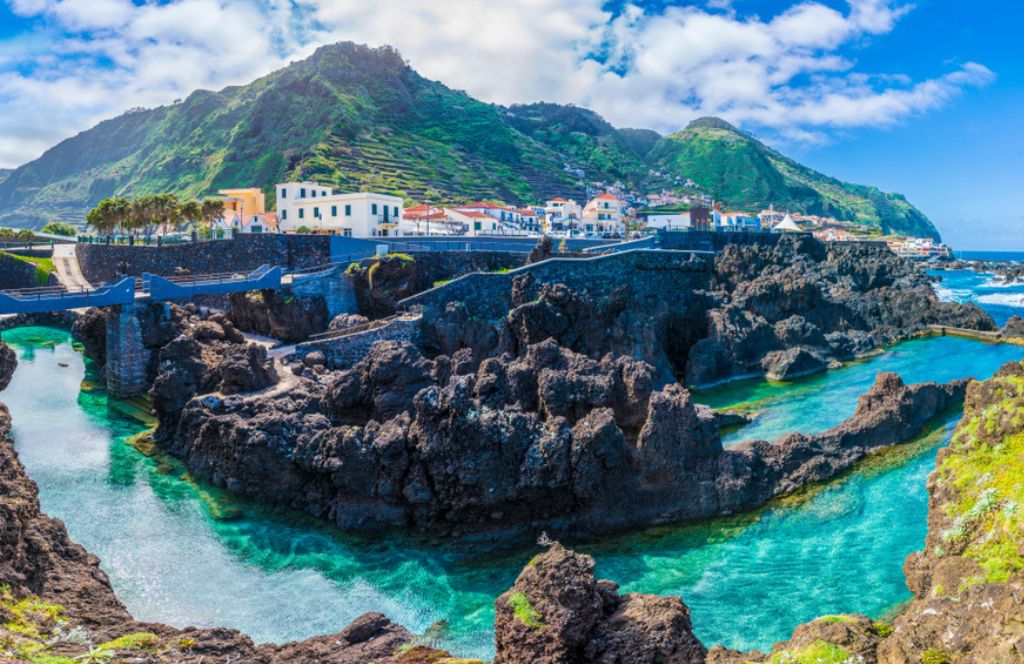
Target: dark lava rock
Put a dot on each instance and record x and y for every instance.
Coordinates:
(280, 315)
(558, 613)
(347, 321)
(382, 282)
(1014, 328)
(543, 250)
(551, 439)
(8, 364)
(90, 329)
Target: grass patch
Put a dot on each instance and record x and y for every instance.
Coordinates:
(985, 471)
(524, 611)
(44, 267)
(819, 652)
(839, 619)
(935, 656)
(134, 641)
(881, 628)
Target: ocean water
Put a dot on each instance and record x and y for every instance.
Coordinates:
(1000, 300)
(183, 553)
(1016, 256)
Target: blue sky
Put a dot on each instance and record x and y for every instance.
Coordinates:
(920, 98)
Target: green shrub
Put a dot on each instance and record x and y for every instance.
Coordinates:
(935, 656)
(134, 641)
(524, 611)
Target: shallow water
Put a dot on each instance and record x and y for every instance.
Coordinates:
(279, 577)
(822, 401)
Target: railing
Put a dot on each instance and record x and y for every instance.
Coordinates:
(56, 298)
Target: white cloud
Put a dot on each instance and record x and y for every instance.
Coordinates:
(792, 73)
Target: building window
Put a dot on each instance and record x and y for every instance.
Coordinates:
(334, 210)
(302, 213)
(302, 192)
(347, 232)
(476, 225)
(373, 209)
(284, 214)
(348, 210)
(284, 193)
(396, 211)
(316, 213)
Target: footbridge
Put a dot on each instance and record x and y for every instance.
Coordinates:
(127, 356)
(130, 290)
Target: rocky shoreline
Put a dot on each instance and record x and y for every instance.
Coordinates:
(56, 602)
(549, 441)
(57, 606)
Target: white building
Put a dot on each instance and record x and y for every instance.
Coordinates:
(604, 215)
(318, 208)
(669, 221)
(265, 222)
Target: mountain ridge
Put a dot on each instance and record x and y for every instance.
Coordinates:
(361, 118)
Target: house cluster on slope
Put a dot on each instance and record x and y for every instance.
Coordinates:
(309, 207)
(316, 208)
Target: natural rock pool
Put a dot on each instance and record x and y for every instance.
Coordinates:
(182, 553)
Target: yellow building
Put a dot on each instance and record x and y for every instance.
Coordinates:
(243, 201)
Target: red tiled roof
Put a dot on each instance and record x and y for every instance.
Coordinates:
(473, 214)
(608, 197)
(557, 200)
(482, 205)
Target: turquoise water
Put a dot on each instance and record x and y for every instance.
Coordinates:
(824, 400)
(182, 553)
(999, 300)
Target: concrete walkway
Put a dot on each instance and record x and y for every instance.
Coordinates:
(68, 271)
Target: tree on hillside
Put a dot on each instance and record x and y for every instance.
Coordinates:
(60, 228)
(109, 215)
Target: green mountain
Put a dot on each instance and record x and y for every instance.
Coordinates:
(741, 171)
(361, 118)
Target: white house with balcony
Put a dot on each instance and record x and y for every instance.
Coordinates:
(605, 215)
(318, 208)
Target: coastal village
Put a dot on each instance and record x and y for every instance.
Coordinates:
(313, 208)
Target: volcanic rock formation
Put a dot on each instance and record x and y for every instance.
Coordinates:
(550, 439)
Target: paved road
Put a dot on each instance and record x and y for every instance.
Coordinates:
(68, 271)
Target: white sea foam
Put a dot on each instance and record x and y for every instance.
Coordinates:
(996, 282)
(1004, 299)
(952, 294)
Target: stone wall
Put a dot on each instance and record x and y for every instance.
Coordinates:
(244, 253)
(488, 296)
(716, 241)
(434, 266)
(17, 274)
(333, 286)
(346, 351)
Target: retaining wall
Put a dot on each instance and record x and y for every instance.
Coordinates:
(16, 274)
(489, 295)
(347, 351)
(243, 253)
